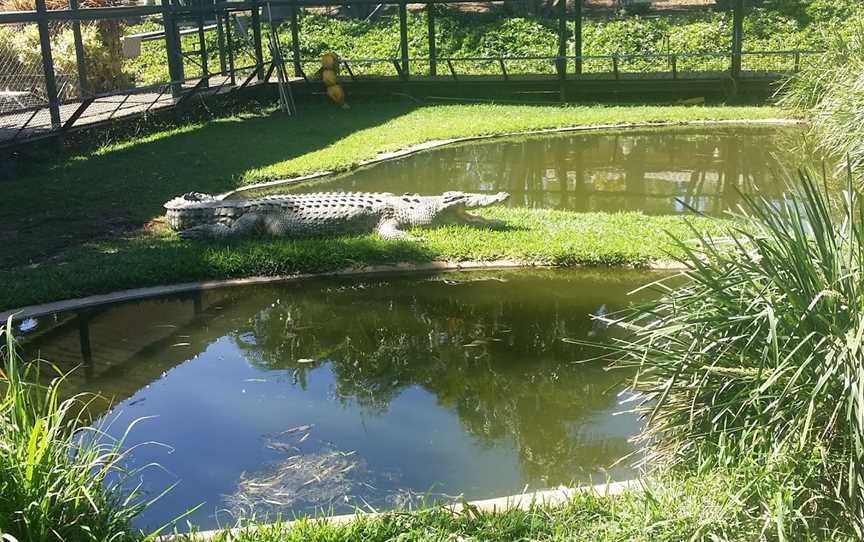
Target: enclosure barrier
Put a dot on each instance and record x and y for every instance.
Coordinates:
(47, 101)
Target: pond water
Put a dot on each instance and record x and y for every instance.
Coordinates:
(656, 171)
(338, 393)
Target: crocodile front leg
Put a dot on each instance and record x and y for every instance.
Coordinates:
(388, 230)
(242, 227)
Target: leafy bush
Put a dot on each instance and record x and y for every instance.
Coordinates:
(104, 69)
(757, 357)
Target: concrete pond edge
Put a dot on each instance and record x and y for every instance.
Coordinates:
(437, 143)
(553, 498)
(135, 294)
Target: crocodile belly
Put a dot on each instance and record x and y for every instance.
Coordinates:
(329, 223)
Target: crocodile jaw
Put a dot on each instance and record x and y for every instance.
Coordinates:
(474, 201)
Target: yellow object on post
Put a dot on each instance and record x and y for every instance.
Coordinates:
(330, 76)
(330, 61)
(337, 95)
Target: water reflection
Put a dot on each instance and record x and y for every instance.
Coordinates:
(657, 171)
(335, 393)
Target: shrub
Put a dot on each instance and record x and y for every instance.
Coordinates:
(104, 67)
(758, 357)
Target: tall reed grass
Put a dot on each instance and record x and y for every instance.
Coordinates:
(60, 479)
(757, 360)
(830, 93)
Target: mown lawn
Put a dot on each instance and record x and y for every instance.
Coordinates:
(94, 211)
(537, 236)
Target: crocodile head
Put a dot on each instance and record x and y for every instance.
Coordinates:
(453, 208)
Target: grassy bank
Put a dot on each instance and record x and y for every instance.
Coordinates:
(722, 505)
(116, 191)
(544, 236)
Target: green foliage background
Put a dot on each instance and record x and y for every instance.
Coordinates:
(786, 25)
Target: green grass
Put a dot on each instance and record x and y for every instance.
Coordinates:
(543, 236)
(83, 210)
(119, 189)
(723, 505)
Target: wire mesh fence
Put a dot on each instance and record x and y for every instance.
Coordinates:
(22, 81)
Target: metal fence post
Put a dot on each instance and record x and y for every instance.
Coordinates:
(562, 39)
(80, 57)
(430, 20)
(256, 40)
(172, 49)
(220, 40)
(202, 44)
(230, 45)
(577, 47)
(48, 64)
(737, 37)
(403, 38)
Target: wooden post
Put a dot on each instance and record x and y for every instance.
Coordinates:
(202, 44)
(256, 40)
(430, 14)
(80, 57)
(220, 40)
(48, 64)
(674, 66)
(403, 38)
(561, 63)
(295, 41)
(737, 37)
(172, 49)
(577, 48)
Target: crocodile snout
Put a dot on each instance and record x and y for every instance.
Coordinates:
(484, 200)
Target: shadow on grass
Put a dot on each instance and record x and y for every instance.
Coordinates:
(93, 269)
(104, 195)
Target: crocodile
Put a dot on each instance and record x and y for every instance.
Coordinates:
(200, 216)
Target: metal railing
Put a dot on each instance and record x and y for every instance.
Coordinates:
(57, 112)
(617, 65)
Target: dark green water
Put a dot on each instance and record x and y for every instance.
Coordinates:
(657, 171)
(329, 393)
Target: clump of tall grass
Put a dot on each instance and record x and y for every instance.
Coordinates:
(56, 472)
(830, 93)
(757, 358)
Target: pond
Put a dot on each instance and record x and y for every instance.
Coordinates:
(340, 393)
(656, 171)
